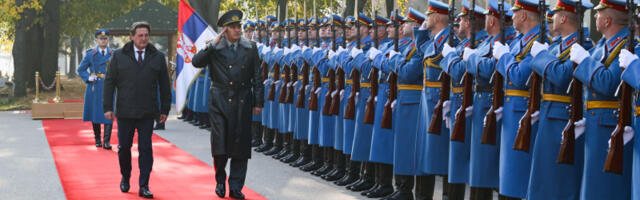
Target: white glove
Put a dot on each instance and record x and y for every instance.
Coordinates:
(423, 26)
(535, 116)
(468, 111)
(296, 83)
(340, 50)
(266, 82)
(393, 104)
(626, 58)
(331, 54)
(307, 87)
(579, 128)
(295, 47)
(498, 113)
(373, 52)
(304, 48)
(287, 50)
(392, 53)
(278, 82)
(316, 49)
(334, 93)
(318, 91)
(446, 50)
(446, 107)
(266, 50)
(447, 120)
(538, 47)
(626, 136)
(355, 52)
(289, 84)
(357, 97)
(499, 49)
(467, 53)
(375, 99)
(578, 54)
(92, 78)
(341, 94)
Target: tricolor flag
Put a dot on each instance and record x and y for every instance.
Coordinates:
(193, 34)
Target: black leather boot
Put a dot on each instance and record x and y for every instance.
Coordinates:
(268, 140)
(338, 167)
(205, 123)
(384, 177)
(327, 165)
(305, 154)
(424, 187)
(352, 173)
(481, 193)
(277, 145)
(256, 129)
(286, 146)
(456, 191)
(404, 187)
(316, 162)
(366, 177)
(196, 119)
(294, 151)
(188, 115)
(107, 136)
(96, 134)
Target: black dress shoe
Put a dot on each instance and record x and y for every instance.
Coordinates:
(274, 150)
(366, 192)
(346, 180)
(220, 190)
(290, 158)
(357, 182)
(256, 143)
(236, 194)
(145, 193)
(400, 196)
(263, 147)
(364, 185)
(124, 185)
(300, 162)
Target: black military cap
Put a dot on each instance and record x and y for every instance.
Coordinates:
(229, 18)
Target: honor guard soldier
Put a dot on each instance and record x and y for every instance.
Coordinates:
(599, 71)
(236, 94)
(631, 75)
(455, 64)
(274, 87)
(270, 44)
(409, 70)
(551, 62)
(92, 70)
(249, 29)
(484, 161)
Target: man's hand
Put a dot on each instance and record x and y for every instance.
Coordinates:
(257, 110)
(163, 118)
(220, 36)
(109, 115)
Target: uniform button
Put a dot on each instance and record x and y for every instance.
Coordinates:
(229, 100)
(242, 84)
(507, 99)
(241, 100)
(242, 66)
(480, 96)
(230, 82)
(510, 83)
(592, 114)
(230, 66)
(594, 95)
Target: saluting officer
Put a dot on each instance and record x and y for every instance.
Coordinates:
(236, 93)
(599, 71)
(92, 70)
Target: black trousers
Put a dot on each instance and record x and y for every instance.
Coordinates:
(237, 175)
(126, 130)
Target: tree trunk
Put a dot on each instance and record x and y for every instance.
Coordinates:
(72, 57)
(390, 7)
(350, 4)
(19, 56)
(51, 43)
(79, 50)
(214, 11)
(282, 6)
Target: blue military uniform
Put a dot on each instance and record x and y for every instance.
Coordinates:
(600, 74)
(561, 181)
(632, 76)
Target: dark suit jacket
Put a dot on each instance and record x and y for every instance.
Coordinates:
(137, 85)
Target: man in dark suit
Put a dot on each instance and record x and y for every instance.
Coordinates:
(138, 71)
(235, 92)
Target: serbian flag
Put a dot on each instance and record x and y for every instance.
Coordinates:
(193, 34)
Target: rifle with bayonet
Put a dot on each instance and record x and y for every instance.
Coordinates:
(350, 110)
(284, 89)
(370, 108)
(326, 110)
(435, 126)
(491, 121)
(276, 75)
(387, 113)
(614, 162)
(523, 138)
(317, 81)
(305, 66)
(566, 154)
(458, 132)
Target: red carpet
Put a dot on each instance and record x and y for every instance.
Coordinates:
(87, 172)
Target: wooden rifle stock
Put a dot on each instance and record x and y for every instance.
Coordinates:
(566, 154)
(284, 90)
(326, 109)
(614, 162)
(264, 67)
(370, 109)
(523, 138)
(293, 73)
(491, 124)
(305, 82)
(435, 126)
(350, 110)
(387, 114)
(335, 103)
(458, 133)
(313, 98)
(272, 88)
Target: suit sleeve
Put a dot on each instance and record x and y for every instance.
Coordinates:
(202, 58)
(258, 87)
(165, 88)
(110, 84)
